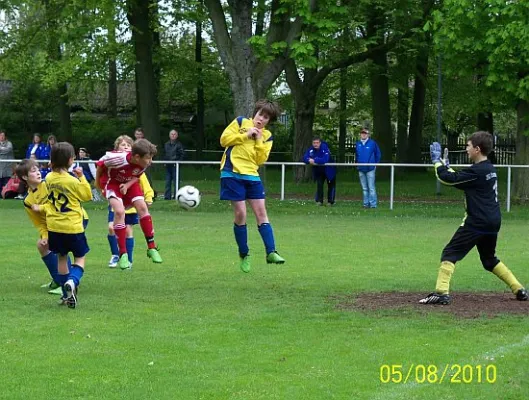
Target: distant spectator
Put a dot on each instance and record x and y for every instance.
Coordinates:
(173, 151)
(89, 171)
(367, 151)
(36, 148)
(318, 155)
(47, 152)
(139, 134)
(6, 153)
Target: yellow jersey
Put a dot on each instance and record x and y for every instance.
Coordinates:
(243, 156)
(37, 196)
(148, 193)
(64, 213)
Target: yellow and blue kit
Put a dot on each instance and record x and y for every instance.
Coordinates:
(243, 156)
(37, 196)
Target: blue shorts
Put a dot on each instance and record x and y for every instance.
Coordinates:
(64, 243)
(241, 189)
(130, 219)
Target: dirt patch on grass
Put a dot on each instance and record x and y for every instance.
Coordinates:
(464, 305)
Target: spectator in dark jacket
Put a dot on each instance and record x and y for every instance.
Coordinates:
(367, 152)
(6, 153)
(318, 155)
(173, 151)
(36, 148)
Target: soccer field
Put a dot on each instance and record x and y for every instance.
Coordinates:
(196, 327)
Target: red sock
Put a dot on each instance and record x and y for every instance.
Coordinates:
(121, 236)
(148, 230)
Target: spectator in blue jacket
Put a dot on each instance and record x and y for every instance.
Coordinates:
(36, 148)
(318, 155)
(367, 151)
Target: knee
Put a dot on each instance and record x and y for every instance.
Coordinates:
(240, 217)
(489, 263)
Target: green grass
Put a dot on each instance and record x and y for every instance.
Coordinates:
(196, 327)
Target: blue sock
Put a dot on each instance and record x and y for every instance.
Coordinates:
(76, 273)
(51, 263)
(241, 237)
(61, 280)
(130, 248)
(268, 237)
(113, 242)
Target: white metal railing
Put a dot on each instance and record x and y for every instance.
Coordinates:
(292, 164)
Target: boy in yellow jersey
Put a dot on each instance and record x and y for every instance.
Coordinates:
(247, 146)
(64, 217)
(29, 172)
(124, 143)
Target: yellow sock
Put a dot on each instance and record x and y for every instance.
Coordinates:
(443, 278)
(505, 274)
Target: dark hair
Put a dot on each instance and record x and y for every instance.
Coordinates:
(24, 167)
(143, 147)
(316, 138)
(50, 137)
(61, 153)
(38, 135)
(139, 129)
(267, 107)
(483, 140)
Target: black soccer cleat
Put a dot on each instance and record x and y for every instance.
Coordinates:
(436, 298)
(521, 295)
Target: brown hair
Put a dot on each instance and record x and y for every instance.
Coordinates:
(51, 137)
(123, 138)
(61, 153)
(24, 167)
(483, 140)
(267, 107)
(143, 147)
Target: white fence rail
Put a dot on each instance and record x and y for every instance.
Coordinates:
(283, 166)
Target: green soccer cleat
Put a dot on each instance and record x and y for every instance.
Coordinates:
(154, 256)
(52, 285)
(57, 290)
(274, 258)
(123, 262)
(245, 263)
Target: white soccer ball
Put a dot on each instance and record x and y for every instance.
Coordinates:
(188, 197)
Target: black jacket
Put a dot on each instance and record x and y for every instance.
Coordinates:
(174, 151)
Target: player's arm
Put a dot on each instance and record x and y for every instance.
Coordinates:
(146, 188)
(124, 187)
(231, 135)
(462, 179)
(262, 149)
(82, 188)
(38, 221)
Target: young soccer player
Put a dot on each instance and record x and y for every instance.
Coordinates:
(247, 145)
(29, 172)
(483, 220)
(65, 217)
(117, 174)
(124, 143)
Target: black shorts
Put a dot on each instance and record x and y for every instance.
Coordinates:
(64, 243)
(465, 239)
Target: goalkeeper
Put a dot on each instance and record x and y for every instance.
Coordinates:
(483, 220)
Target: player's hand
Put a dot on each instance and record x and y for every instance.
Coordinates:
(123, 188)
(42, 242)
(258, 134)
(446, 161)
(251, 133)
(35, 207)
(435, 152)
(148, 203)
(78, 171)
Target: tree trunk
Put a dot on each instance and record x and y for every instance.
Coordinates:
(112, 72)
(343, 115)
(305, 105)
(199, 143)
(139, 16)
(485, 122)
(417, 108)
(380, 104)
(65, 122)
(403, 104)
(521, 176)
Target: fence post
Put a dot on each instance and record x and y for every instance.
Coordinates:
(391, 187)
(509, 188)
(282, 182)
(177, 177)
